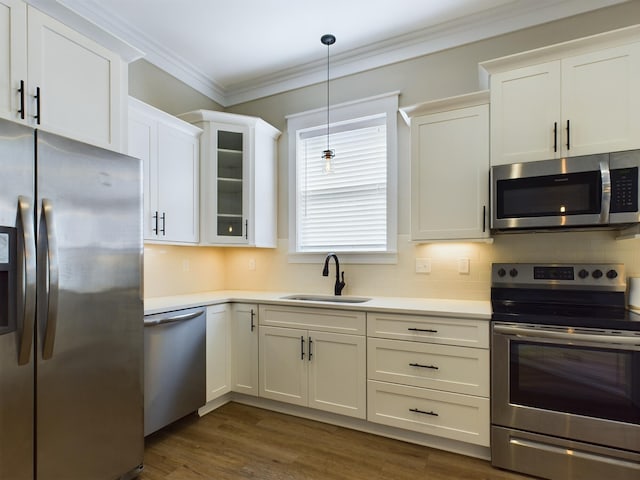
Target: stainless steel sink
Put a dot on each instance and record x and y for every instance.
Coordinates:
(325, 298)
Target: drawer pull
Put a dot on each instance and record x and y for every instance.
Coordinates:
(428, 330)
(432, 413)
(433, 367)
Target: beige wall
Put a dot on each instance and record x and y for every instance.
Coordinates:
(443, 74)
(156, 87)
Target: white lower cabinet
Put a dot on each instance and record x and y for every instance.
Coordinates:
(218, 351)
(419, 373)
(450, 415)
(442, 367)
(244, 348)
(423, 375)
(314, 366)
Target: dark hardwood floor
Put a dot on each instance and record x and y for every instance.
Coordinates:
(238, 442)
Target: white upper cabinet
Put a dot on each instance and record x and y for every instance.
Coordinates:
(13, 59)
(238, 179)
(601, 101)
(169, 149)
(525, 114)
(55, 79)
(450, 168)
(583, 100)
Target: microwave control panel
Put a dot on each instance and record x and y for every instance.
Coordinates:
(624, 190)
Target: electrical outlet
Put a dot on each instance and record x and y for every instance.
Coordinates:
(186, 266)
(252, 264)
(423, 265)
(463, 265)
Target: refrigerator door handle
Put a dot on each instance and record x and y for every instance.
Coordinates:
(52, 278)
(28, 290)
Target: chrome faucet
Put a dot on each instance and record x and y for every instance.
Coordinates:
(337, 289)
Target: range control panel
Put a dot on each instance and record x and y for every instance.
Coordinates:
(584, 276)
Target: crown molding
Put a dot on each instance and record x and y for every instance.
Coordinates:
(497, 21)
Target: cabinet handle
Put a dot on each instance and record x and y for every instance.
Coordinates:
(428, 330)
(310, 351)
(164, 219)
(38, 116)
(21, 91)
(253, 325)
(432, 413)
(433, 367)
(155, 219)
(555, 136)
(246, 229)
(301, 348)
(484, 218)
(568, 135)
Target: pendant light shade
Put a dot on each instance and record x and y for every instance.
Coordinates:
(328, 154)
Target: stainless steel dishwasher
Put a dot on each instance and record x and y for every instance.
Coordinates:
(174, 366)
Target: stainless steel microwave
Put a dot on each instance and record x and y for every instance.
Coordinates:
(589, 191)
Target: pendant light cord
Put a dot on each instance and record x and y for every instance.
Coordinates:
(328, 95)
(328, 40)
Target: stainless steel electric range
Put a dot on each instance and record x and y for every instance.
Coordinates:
(565, 364)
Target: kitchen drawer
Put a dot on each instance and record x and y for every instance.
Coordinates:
(440, 367)
(451, 331)
(318, 319)
(450, 415)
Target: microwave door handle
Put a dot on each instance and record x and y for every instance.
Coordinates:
(605, 203)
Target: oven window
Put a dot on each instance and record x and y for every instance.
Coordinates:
(551, 195)
(594, 382)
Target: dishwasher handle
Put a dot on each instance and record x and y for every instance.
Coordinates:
(183, 317)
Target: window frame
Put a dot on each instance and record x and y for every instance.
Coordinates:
(385, 103)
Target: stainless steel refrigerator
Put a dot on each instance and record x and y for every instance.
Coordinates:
(71, 315)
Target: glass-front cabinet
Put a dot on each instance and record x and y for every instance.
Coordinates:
(230, 216)
(238, 204)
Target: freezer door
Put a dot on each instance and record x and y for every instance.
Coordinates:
(17, 296)
(89, 402)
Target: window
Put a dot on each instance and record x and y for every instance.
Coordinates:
(351, 207)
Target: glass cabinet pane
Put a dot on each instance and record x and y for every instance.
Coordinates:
(229, 184)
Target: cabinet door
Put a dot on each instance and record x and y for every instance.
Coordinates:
(283, 364)
(218, 352)
(178, 157)
(244, 348)
(525, 114)
(79, 83)
(227, 189)
(337, 373)
(13, 59)
(450, 174)
(143, 144)
(601, 101)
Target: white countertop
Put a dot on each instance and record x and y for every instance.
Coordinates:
(419, 306)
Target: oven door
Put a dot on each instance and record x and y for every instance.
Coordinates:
(552, 193)
(578, 384)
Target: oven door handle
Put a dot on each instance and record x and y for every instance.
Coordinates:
(564, 335)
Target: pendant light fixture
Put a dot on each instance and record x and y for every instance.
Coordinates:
(328, 154)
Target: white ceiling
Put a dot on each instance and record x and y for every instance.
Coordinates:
(238, 50)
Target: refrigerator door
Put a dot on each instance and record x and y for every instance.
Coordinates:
(89, 404)
(17, 297)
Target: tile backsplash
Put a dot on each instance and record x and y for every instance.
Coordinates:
(174, 270)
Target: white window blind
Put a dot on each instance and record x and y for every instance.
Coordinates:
(344, 210)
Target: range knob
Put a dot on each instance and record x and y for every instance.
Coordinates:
(611, 274)
(513, 272)
(583, 273)
(597, 273)
(502, 272)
